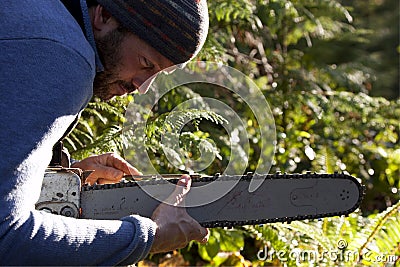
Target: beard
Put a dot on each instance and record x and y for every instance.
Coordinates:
(109, 47)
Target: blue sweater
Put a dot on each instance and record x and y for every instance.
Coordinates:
(47, 66)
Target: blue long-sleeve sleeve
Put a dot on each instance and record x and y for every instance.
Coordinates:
(46, 73)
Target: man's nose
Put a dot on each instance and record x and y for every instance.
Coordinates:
(144, 87)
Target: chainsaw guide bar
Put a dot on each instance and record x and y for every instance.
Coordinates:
(280, 198)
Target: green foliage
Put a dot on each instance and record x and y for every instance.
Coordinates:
(381, 19)
(316, 62)
(381, 233)
(98, 129)
(221, 245)
(191, 144)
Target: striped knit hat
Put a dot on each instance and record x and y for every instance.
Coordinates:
(175, 28)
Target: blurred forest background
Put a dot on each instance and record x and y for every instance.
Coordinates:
(329, 70)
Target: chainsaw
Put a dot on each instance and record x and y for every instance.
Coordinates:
(280, 197)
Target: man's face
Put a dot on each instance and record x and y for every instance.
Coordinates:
(128, 62)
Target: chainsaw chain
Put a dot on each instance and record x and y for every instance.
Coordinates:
(156, 179)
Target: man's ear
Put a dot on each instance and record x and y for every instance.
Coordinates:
(102, 21)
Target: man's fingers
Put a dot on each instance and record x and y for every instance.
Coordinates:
(108, 168)
(196, 231)
(201, 235)
(133, 170)
(205, 235)
(121, 164)
(185, 181)
(98, 176)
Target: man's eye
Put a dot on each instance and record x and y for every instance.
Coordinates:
(147, 63)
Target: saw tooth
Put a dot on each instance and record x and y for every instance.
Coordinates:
(249, 175)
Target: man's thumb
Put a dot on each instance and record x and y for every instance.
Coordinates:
(177, 198)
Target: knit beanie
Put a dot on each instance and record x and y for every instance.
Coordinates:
(177, 29)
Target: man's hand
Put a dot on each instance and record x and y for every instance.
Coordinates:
(108, 168)
(175, 228)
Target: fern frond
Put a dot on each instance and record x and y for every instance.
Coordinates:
(105, 107)
(110, 140)
(329, 159)
(174, 121)
(313, 231)
(380, 234)
(85, 125)
(96, 114)
(380, 222)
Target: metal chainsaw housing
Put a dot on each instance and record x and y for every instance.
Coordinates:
(61, 192)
